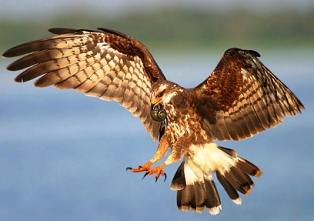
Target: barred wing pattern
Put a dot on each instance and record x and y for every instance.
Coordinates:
(242, 97)
(239, 99)
(90, 62)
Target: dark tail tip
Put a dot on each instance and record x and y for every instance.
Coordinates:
(237, 177)
(195, 192)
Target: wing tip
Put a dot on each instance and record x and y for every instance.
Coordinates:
(231, 51)
(59, 31)
(10, 53)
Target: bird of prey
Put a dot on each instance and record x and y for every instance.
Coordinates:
(240, 98)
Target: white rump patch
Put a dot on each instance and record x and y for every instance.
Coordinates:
(190, 176)
(208, 158)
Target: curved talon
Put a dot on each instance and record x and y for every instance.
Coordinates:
(128, 168)
(163, 174)
(145, 174)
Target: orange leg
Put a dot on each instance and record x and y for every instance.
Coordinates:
(160, 153)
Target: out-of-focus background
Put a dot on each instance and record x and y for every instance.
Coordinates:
(63, 155)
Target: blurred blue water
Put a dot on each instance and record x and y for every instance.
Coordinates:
(63, 155)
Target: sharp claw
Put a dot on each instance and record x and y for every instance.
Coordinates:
(157, 177)
(145, 175)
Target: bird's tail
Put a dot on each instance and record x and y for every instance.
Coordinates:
(195, 186)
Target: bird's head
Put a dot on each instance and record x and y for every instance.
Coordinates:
(162, 94)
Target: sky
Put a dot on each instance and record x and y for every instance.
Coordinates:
(34, 9)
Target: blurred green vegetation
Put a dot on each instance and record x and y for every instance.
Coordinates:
(181, 28)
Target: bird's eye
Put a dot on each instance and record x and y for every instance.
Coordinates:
(161, 94)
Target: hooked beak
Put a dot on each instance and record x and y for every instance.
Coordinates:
(155, 103)
(155, 107)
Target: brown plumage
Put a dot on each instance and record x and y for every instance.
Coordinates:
(239, 99)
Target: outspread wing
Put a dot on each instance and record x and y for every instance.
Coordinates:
(105, 64)
(242, 97)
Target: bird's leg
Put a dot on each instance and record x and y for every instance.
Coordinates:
(178, 150)
(160, 153)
